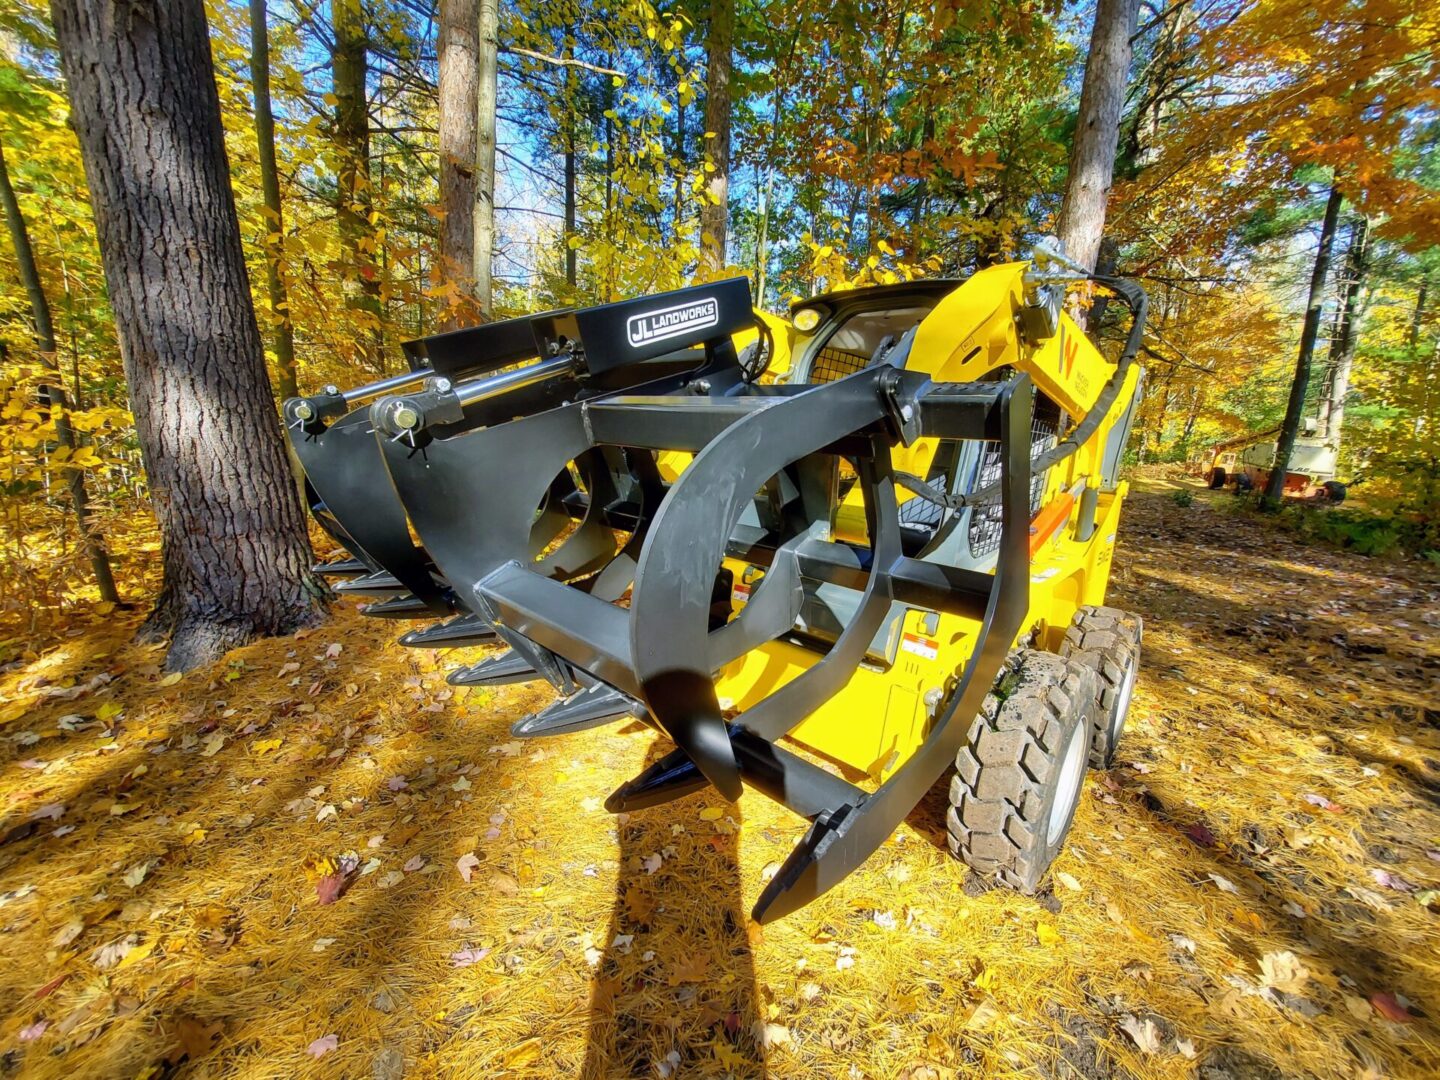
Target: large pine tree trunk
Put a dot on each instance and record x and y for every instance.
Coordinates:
(715, 212)
(487, 95)
(352, 143)
(1092, 156)
(284, 329)
(459, 88)
(1309, 331)
(54, 394)
(234, 544)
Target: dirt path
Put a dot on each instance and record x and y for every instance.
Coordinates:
(1244, 894)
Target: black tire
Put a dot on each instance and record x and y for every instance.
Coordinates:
(1218, 476)
(1018, 779)
(1335, 491)
(1107, 640)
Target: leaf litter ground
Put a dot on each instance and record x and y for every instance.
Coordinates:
(318, 859)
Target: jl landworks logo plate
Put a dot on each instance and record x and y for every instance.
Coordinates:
(679, 321)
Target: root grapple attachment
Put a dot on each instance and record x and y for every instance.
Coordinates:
(828, 568)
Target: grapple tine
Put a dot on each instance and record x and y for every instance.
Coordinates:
(461, 631)
(398, 607)
(508, 667)
(379, 582)
(338, 567)
(593, 706)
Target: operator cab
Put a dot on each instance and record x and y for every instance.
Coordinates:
(840, 333)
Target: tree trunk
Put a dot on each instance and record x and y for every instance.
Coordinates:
(270, 186)
(233, 536)
(487, 94)
(715, 211)
(571, 255)
(1418, 319)
(679, 169)
(1290, 426)
(1342, 344)
(53, 397)
(459, 115)
(361, 282)
(1092, 157)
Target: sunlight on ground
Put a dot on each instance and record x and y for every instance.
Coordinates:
(1245, 893)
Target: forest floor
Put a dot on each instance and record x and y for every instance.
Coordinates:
(317, 859)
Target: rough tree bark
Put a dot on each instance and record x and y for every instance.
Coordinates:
(487, 93)
(233, 537)
(1092, 156)
(352, 143)
(270, 186)
(53, 396)
(1290, 426)
(1331, 419)
(459, 87)
(715, 211)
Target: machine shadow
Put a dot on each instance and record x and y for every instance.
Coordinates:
(675, 985)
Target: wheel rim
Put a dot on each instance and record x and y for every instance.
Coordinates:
(1067, 788)
(1122, 705)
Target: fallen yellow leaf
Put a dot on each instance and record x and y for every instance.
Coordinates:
(138, 953)
(264, 746)
(171, 679)
(525, 1053)
(1047, 934)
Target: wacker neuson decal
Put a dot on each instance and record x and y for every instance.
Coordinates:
(678, 321)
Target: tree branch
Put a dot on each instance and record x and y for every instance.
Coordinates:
(561, 61)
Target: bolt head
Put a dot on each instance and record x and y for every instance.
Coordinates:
(441, 384)
(304, 411)
(405, 416)
(331, 388)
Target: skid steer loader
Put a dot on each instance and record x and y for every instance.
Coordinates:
(833, 587)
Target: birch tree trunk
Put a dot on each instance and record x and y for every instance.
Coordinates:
(1342, 346)
(233, 536)
(715, 211)
(54, 395)
(1310, 330)
(459, 57)
(487, 95)
(1092, 156)
(284, 329)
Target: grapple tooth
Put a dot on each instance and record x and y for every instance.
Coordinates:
(378, 582)
(408, 606)
(454, 633)
(595, 705)
(340, 567)
(672, 777)
(508, 667)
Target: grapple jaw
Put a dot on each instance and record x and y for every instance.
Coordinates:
(346, 482)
